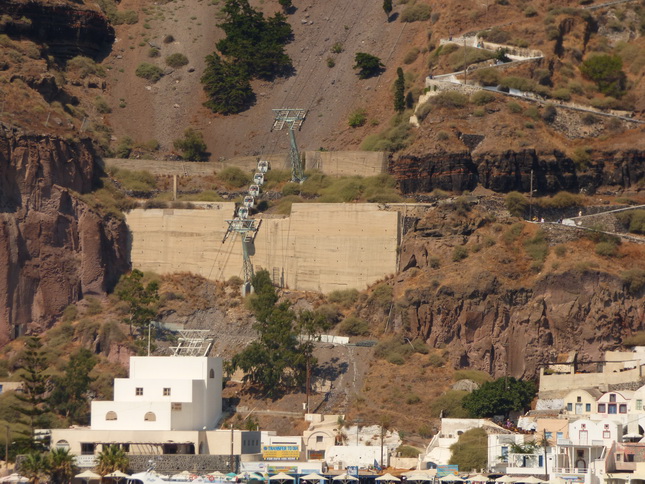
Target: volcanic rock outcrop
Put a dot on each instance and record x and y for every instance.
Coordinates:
(66, 29)
(54, 248)
(505, 171)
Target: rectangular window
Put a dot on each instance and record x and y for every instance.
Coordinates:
(569, 407)
(319, 438)
(587, 407)
(606, 435)
(166, 392)
(629, 457)
(639, 404)
(579, 399)
(622, 408)
(559, 435)
(618, 457)
(601, 408)
(611, 409)
(612, 398)
(175, 406)
(87, 448)
(138, 391)
(548, 435)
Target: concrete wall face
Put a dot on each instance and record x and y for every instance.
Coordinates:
(319, 247)
(342, 163)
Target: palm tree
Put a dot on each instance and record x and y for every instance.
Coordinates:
(62, 466)
(34, 466)
(112, 458)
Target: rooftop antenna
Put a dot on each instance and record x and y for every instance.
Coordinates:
(292, 119)
(193, 342)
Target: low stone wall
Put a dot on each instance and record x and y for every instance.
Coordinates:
(173, 464)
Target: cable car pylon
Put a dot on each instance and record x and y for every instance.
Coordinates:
(292, 119)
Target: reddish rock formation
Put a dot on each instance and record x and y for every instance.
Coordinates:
(66, 29)
(505, 171)
(54, 248)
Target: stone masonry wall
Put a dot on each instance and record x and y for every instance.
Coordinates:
(173, 464)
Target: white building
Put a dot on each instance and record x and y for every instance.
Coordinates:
(164, 393)
(167, 405)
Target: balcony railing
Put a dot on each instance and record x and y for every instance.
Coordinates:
(571, 470)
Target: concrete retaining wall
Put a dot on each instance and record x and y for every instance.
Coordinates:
(363, 163)
(173, 464)
(320, 247)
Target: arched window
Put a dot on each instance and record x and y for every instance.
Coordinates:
(150, 417)
(62, 444)
(110, 415)
(211, 374)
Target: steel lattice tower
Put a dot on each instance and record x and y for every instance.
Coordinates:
(292, 119)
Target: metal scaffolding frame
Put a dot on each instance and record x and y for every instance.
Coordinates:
(193, 342)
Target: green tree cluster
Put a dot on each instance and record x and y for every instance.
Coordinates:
(368, 65)
(607, 72)
(253, 48)
(142, 299)
(499, 397)
(112, 458)
(58, 465)
(277, 361)
(399, 91)
(470, 452)
(191, 145)
(69, 396)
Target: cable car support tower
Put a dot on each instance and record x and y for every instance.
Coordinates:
(292, 119)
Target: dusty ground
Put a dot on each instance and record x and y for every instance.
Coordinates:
(329, 94)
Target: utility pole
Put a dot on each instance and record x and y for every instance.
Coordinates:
(6, 451)
(546, 443)
(465, 65)
(382, 435)
(308, 385)
(232, 465)
(531, 197)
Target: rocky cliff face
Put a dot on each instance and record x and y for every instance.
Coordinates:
(66, 29)
(496, 310)
(54, 248)
(510, 170)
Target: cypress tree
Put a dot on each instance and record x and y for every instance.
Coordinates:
(387, 7)
(399, 91)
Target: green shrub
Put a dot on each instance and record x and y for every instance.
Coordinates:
(408, 451)
(563, 94)
(411, 55)
(315, 183)
(495, 35)
(397, 350)
(459, 253)
(102, 106)
(176, 60)
(436, 360)
(368, 65)
(353, 326)
(634, 280)
(470, 452)
(84, 66)
(149, 72)
(382, 296)
(530, 11)
(423, 111)
(234, 177)
(337, 48)
(291, 188)
(487, 77)
(607, 72)
(192, 145)
(357, 118)
(513, 233)
(514, 107)
(449, 99)
(560, 200)
(70, 313)
(633, 220)
(516, 204)
(477, 376)
(482, 97)
(416, 12)
(607, 249)
(344, 298)
(449, 405)
(139, 181)
(537, 247)
(434, 262)
(330, 62)
(459, 59)
(560, 250)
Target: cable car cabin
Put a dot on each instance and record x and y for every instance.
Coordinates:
(249, 201)
(254, 190)
(263, 166)
(243, 212)
(258, 179)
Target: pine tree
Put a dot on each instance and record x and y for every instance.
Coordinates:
(35, 387)
(399, 91)
(227, 85)
(69, 397)
(387, 7)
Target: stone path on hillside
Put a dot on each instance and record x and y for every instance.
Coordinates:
(517, 55)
